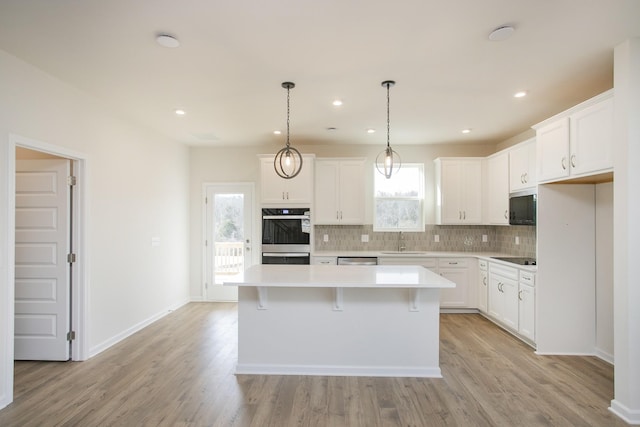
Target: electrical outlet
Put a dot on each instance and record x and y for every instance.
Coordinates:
(485, 239)
(436, 238)
(325, 238)
(364, 238)
(517, 240)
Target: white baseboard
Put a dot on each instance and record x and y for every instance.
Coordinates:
(338, 371)
(135, 328)
(607, 357)
(630, 416)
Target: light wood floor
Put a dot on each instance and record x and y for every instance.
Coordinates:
(179, 372)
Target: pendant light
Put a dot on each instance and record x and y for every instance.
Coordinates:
(388, 161)
(288, 161)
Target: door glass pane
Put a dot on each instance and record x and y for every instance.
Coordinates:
(228, 253)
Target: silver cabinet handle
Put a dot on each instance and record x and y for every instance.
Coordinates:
(573, 160)
(464, 214)
(526, 178)
(522, 181)
(506, 214)
(459, 214)
(520, 295)
(564, 166)
(337, 215)
(484, 280)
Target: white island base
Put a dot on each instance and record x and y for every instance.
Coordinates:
(340, 321)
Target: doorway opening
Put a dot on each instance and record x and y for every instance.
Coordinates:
(69, 332)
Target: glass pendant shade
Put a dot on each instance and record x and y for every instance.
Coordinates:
(288, 161)
(388, 162)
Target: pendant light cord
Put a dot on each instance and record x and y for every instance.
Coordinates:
(288, 89)
(388, 126)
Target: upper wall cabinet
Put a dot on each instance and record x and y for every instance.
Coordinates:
(458, 190)
(577, 142)
(286, 192)
(497, 189)
(339, 191)
(522, 166)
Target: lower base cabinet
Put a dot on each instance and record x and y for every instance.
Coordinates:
(458, 270)
(483, 286)
(503, 295)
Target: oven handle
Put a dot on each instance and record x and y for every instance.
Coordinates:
(285, 217)
(281, 254)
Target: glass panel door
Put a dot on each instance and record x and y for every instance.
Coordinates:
(228, 240)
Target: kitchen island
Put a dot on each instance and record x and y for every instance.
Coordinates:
(339, 320)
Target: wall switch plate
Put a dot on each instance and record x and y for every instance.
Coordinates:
(485, 239)
(364, 238)
(436, 238)
(517, 240)
(325, 238)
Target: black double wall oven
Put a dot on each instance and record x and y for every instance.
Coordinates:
(285, 235)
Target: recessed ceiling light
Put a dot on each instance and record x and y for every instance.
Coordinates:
(331, 128)
(277, 132)
(337, 103)
(371, 131)
(165, 40)
(466, 130)
(180, 112)
(520, 94)
(501, 33)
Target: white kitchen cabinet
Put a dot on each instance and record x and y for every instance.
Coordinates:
(339, 191)
(290, 192)
(503, 295)
(526, 306)
(522, 166)
(458, 190)
(498, 189)
(324, 260)
(455, 269)
(483, 285)
(577, 142)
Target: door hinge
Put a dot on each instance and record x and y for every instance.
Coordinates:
(71, 258)
(71, 181)
(71, 335)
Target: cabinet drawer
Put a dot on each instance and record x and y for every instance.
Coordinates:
(504, 271)
(453, 262)
(482, 264)
(527, 277)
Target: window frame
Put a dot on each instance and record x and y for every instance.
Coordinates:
(420, 198)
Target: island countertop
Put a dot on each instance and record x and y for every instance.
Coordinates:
(344, 276)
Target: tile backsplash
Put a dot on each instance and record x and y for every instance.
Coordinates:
(454, 238)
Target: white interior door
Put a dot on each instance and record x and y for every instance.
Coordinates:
(228, 238)
(42, 273)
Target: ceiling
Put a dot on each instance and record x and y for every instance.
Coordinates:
(234, 55)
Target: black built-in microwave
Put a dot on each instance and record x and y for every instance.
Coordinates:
(522, 208)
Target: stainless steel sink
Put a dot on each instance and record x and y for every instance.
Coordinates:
(403, 252)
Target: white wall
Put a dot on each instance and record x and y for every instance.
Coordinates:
(604, 270)
(241, 165)
(137, 188)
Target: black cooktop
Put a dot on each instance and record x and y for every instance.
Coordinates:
(517, 260)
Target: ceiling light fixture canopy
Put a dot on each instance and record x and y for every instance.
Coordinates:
(388, 161)
(288, 161)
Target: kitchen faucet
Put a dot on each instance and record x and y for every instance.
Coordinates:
(401, 246)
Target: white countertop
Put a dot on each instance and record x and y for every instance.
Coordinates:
(488, 256)
(343, 276)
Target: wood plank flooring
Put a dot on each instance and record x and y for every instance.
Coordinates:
(179, 372)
